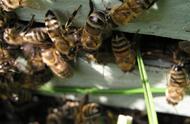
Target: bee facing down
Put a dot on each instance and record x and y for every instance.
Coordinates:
(94, 29)
(52, 58)
(178, 82)
(129, 10)
(124, 53)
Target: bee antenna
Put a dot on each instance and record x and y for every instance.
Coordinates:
(91, 4)
(68, 23)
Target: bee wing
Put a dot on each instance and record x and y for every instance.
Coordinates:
(33, 4)
(185, 46)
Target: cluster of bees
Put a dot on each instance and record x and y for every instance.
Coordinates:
(79, 112)
(51, 48)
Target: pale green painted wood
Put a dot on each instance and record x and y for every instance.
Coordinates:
(171, 19)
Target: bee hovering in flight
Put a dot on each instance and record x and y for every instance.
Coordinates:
(11, 5)
(128, 10)
(124, 52)
(53, 59)
(58, 34)
(177, 85)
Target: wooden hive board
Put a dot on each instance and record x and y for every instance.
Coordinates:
(169, 19)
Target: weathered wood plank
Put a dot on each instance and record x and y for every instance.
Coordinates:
(170, 19)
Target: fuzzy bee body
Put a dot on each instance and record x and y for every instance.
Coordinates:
(33, 36)
(87, 113)
(57, 34)
(33, 55)
(125, 55)
(11, 5)
(92, 34)
(52, 58)
(128, 10)
(178, 82)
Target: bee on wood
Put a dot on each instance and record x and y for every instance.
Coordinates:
(128, 10)
(93, 32)
(177, 85)
(59, 35)
(11, 5)
(125, 55)
(53, 59)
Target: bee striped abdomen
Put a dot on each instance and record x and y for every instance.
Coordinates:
(55, 32)
(125, 55)
(52, 58)
(92, 34)
(9, 5)
(34, 36)
(90, 110)
(129, 10)
(178, 82)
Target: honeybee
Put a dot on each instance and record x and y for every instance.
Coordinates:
(7, 68)
(11, 5)
(87, 113)
(62, 113)
(33, 36)
(33, 55)
(178, 82)
(58, 35)
(128, 10)
(94, 30)
(124, 52)
(53, 59)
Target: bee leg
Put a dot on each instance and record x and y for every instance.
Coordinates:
(29, 25)
(91, 5)
(69, 22)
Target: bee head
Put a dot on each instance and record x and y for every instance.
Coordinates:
(177, 67)
(97, 18)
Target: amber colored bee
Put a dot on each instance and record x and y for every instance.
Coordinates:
(33, 55)
(33, 36)
(59, 35)
(87, 113)
(124, 52)
(94, 29)
(53, 59)
(11, 5)
(128, 10)
(177, 85)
